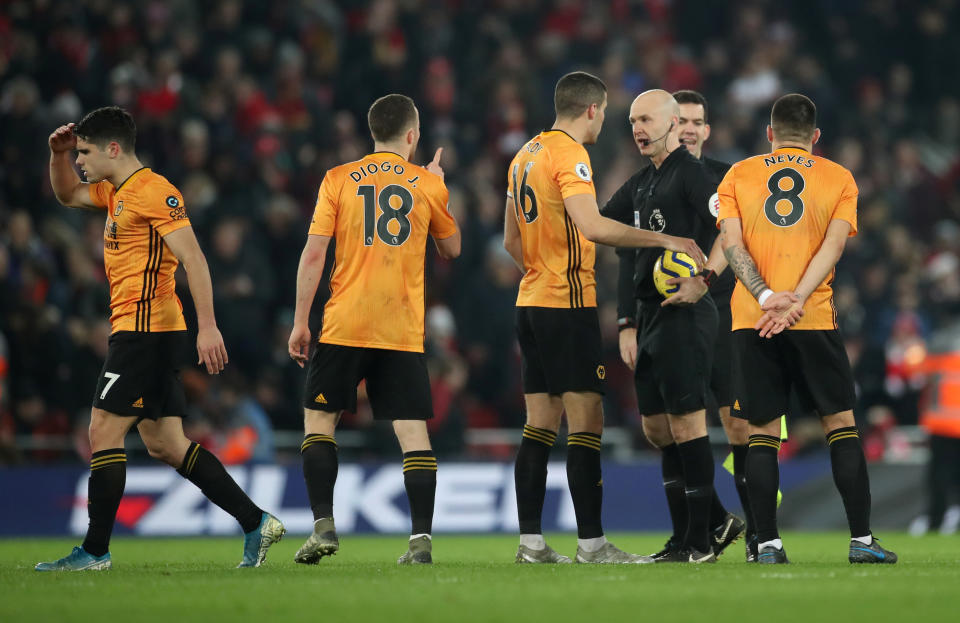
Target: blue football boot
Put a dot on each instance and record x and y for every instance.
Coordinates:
(78, 560)
(257, 542)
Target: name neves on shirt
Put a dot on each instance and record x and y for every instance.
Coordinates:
(781, 158)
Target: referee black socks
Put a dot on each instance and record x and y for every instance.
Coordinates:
(673, 486)
(586, 482)
(108, 477)
(763, 481)
(420, 480)
(698, 470)
(207, 472)
(530, 476)
(850, 476)
(320, 467)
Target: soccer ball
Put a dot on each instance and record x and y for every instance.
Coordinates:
(672, 264)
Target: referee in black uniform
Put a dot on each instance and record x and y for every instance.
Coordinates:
(674, 350)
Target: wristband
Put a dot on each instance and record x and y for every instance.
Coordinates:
(708, 276)
(764, 296)
(625, 323)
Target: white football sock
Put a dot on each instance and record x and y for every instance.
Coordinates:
(775, 543)
(417, 536)
(866, 540)
(532, 541)
(592, 545)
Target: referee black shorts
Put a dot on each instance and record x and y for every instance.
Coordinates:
(561, 350)
(674, 356)
(812, 363)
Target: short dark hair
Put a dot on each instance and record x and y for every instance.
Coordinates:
(390, 115)
(689, 96)
(108, 124)
(794, 117)
(575, 93)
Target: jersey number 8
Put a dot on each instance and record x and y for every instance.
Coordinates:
(777, 195)
(388, 213)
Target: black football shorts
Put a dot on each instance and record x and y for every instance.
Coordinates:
(141, 376)
(674, 357)
(561, 350)
(812, 363)
(397, 382)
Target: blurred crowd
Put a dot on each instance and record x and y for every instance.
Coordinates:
(245, 105)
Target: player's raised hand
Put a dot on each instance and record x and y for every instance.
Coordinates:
(63, 139)
(434, 165)
(628, 347)
(298, 346)
(210, 349)
(688, 246)
(691, 290)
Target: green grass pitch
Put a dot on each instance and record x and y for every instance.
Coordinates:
(474, 579)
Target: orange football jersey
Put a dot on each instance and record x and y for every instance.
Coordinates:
(557, 258)
(785, 201)
(380, 210)
(139, 265)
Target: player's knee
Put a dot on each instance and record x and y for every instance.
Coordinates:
(106, 430)
(412, 435)
(657, 431)
(162, 451)
(688, 426)
(737, 429)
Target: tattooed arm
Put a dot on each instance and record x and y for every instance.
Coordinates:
(739, 258)
(783, 309)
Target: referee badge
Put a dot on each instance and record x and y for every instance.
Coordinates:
(601, 372)
(657, 221)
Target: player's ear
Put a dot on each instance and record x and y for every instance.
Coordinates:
(770, 133)
(592, 110)
(113, 149)
(706, 132)
(816, 135)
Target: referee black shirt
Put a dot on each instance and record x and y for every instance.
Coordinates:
(677, 199)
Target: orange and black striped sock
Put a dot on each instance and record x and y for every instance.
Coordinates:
(851, 478)
(530, 476)
(420, 480)
(763, 481)
(585, 480)
(108, 477)
(320, 467)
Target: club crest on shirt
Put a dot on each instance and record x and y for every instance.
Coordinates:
(657, 221)
(583, 171)
(118, 209)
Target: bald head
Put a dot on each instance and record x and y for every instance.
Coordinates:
(654, 117)
(656, 101)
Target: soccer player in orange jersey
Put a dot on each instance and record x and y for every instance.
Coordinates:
(784, 219)
(147, 235)
(380, 210)
(551, 225)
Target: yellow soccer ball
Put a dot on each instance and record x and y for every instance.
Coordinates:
(672, 264)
